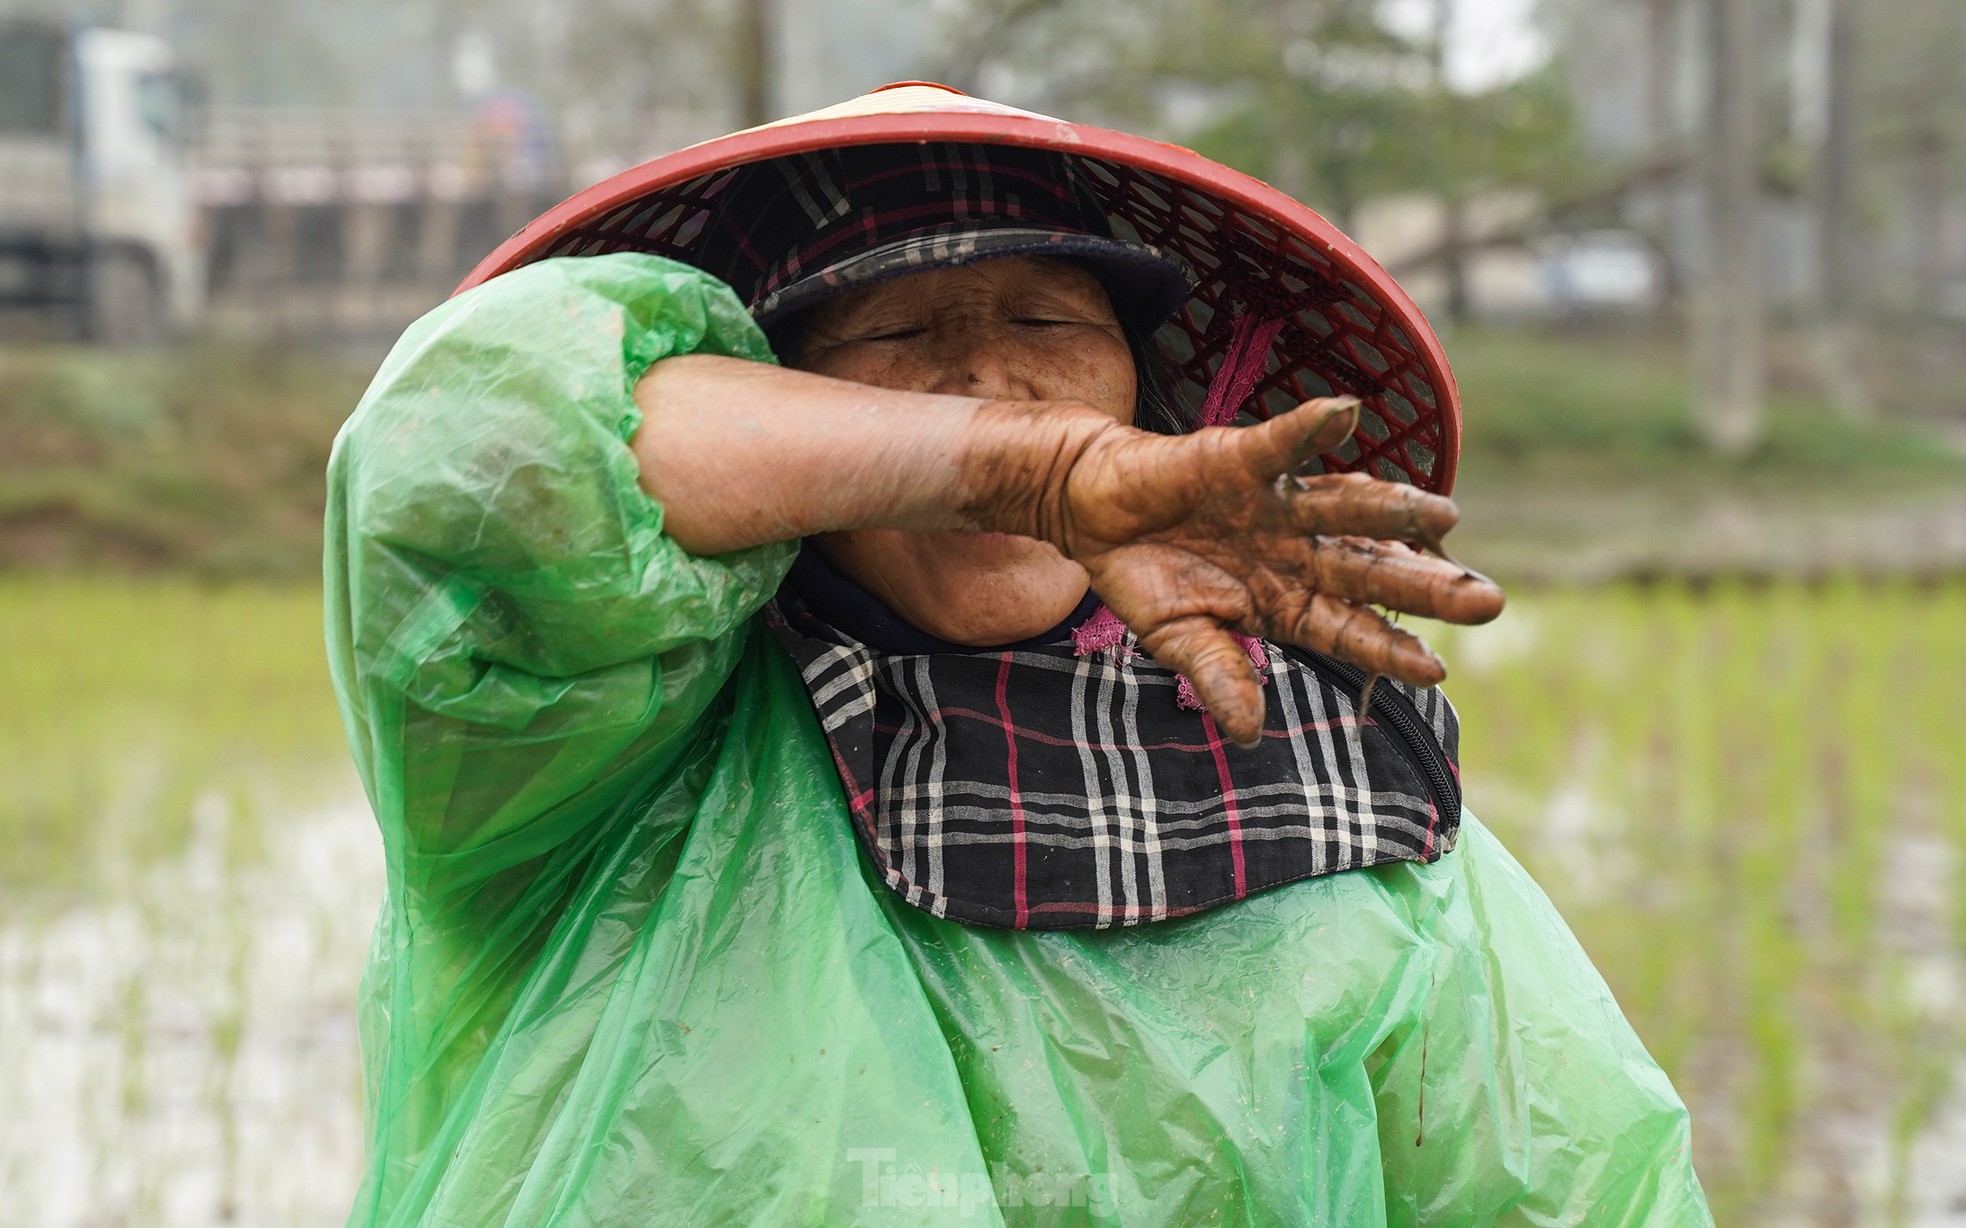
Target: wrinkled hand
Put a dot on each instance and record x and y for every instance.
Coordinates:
(1189, 537)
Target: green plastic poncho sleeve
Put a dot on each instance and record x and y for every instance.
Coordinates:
(518, 648)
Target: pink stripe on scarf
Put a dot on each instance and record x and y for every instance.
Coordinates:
(1230, 813)
(1017, 843)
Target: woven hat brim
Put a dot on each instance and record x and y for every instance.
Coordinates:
(1347, 326)
(1144, 283)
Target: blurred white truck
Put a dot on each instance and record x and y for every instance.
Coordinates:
(99, 229)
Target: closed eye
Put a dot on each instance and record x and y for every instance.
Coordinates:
(898, 334)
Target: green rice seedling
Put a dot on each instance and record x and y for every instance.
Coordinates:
(1727, 788)
(129, 699)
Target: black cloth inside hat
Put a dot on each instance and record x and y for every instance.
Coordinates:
(794, 231)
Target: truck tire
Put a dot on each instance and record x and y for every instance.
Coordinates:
(125, 303)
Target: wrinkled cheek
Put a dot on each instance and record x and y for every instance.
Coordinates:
(1107, 378)
(896, 374)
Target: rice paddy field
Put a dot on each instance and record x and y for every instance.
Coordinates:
(1749, 800)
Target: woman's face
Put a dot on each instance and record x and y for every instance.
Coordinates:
(1011, 329)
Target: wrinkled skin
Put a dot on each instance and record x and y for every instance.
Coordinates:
(1185, 538)
(1014, 330)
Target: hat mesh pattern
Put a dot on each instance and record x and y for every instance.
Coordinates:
(1336, 338)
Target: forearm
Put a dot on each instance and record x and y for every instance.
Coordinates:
(740, 453)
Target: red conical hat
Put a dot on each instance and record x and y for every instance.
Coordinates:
(1268, 269)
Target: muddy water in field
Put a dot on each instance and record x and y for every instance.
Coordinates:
(188, 876)
(186, 1052)
(1750, 803)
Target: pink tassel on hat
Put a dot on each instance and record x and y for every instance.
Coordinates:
(1242, 366)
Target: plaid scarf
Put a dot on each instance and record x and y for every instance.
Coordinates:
(1030, 787)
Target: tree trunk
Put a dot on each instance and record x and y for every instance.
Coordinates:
(1661, 77)
(1453, 205)
(1727, 320)
(1454, 246)
(1929, 176)
(1664, 139)
(756, 57)
(1840, 314)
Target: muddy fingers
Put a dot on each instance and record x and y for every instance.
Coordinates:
(1283, 445)
(1216, 664)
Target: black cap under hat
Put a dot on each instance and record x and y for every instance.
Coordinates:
(797, 230)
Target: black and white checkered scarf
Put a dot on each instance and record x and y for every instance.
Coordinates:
(1033, 788)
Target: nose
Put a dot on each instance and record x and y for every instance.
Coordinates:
(982, 362)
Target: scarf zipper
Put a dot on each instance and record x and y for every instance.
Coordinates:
(1405, 719)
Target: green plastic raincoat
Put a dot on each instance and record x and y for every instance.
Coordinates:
(632, 968)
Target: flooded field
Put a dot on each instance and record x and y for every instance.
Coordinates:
(187, 880)
(1750, 802)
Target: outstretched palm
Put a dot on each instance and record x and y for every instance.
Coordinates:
(1189, 537)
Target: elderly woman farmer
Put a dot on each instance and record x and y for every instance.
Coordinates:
(1014, 850)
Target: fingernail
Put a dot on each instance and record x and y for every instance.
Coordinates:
(1421, 663)
(1342, 409)
(1336, 422)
